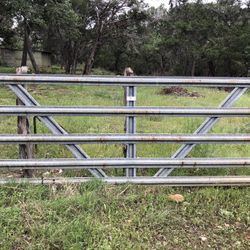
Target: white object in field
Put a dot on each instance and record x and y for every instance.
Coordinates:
(22, 70)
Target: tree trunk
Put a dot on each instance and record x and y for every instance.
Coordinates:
(25, 150)
(67, 57)
(70, 57)
(193, 68)
(186, 67)
(67, 66)
(90, 61)
(74, 66)
(117, 61)
(31, 56)
(211, 69)
(74, 58)
(25, 51)
(23, 128)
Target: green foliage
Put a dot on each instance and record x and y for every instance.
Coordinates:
(202, 39)
(189, 38)
(7, 70)
(6, 23)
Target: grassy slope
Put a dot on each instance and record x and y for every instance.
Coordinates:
(104, 217)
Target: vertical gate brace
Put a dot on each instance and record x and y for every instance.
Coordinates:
(130, 128)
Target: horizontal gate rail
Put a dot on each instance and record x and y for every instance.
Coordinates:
(121, 163)
(126, 81)
(138, 111)
(97, 166)
(170, 181)
(121, 139)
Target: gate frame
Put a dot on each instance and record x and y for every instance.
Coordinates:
(162, 176)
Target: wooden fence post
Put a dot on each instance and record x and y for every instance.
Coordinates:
(23, 128)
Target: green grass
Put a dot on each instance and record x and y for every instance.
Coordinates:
(113, 96)
(56, 69)
(4, 69)
(98, 216)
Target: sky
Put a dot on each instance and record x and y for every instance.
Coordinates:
(156, 3)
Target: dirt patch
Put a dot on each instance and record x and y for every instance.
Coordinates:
(227, 89)
(179, 91)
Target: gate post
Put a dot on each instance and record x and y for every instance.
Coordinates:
(23, 127)
(130, 123)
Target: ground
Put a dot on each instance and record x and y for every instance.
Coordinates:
(97, 216)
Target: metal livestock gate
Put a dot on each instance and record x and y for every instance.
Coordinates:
(130, 138)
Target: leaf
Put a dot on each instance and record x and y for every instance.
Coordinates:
(176, 198)
(203, 238)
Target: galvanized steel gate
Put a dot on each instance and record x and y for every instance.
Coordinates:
(130, 138)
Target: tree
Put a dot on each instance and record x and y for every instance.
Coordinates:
(123, 44)
(7, 32)
(189, 38)
(65, 27)
(27, 18)
(200, 39)
(104, 17)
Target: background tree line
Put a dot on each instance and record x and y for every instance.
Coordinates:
(188, 38)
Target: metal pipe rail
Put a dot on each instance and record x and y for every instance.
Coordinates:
(96, 166)
(188, 181)
(122, 163)
(107, 111)
(125, 81)
(122, 139)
